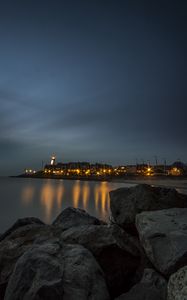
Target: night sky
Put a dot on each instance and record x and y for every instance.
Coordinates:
(92, 81)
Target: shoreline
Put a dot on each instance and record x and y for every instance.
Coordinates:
(161, 181)
(177, 183)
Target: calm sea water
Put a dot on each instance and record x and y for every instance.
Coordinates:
(46, 198)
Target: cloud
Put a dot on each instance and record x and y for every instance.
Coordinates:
(95, 84)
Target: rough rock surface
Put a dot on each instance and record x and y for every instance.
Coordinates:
(70, 217)
(126, 203)
(153, 278)
(20, 223)
(28, 231)
(163, 235)
(116, 252)
(53, 271)
(16, 243)
(177, 285)
(141, 291)
(152, 287)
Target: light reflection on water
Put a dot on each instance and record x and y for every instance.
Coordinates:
(56, 195)
(102, 199)
(85, 194)
(46, 198)
(60, 193)
(27, 194)
(76, 191)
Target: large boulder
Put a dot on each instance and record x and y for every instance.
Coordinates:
(126, 203)
(71, 216)
(16, 242)
(152, 287)
(54, 271)
(28, 231)
(163, 235)
(177, 285)
(116, 252)
(20, 223)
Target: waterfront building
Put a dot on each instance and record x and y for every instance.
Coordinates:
(100, 170)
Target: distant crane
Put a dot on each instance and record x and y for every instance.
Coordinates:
(156, 160)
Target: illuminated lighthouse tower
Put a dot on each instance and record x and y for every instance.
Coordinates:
(53, 157)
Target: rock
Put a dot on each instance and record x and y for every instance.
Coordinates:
(125, 203)
(84, 278)
(116, 252)
(144, 264)
(70, 217)
(152, 287)
(163, 235)
(141, 291)
(16, 243)
(177, 285)
(28, 231)
(153, 278)
(20, 223)
(55, 271)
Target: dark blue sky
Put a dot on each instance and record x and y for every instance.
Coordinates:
(92, 80)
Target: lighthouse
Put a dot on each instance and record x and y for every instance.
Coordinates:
(53, 157)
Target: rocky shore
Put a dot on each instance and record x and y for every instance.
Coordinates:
(141, 254)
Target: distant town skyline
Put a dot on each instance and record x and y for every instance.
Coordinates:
(98, 171)
(100, 81)
(53, 160)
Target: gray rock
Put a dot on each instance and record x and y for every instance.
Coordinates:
(16, 243)
(125, 203)
(71, 216)
(153, 278)
(116, 252)
(177, 285)
(20, 223)
(28, 231)
(152, 287)
(141, 291)
(53, 271)
(163, 235)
